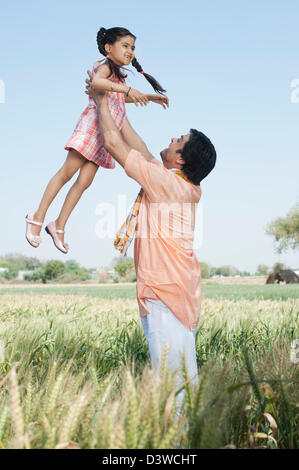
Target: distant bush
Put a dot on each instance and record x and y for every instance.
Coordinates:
(10, 273)
(205, 270)
(67, 278)
(4, 264)
(72, 266)
(36, 275)
(125, 269)
(53, 269)
(50, 271)
(21, 262)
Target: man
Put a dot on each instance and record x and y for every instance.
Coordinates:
(168, 273)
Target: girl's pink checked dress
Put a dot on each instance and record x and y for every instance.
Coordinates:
(86, 138)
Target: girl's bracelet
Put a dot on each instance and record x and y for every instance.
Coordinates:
(127, 94)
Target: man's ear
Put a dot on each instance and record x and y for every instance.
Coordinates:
(179, 159)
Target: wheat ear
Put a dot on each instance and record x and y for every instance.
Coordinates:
(16, 410)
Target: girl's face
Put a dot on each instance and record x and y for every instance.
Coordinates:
(122, 52)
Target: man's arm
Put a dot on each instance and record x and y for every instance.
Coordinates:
(134, 140)
(113, 141)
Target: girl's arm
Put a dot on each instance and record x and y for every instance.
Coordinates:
(101, 82)
(159, 99)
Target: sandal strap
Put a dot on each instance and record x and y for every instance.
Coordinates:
(33, 222)
(59, 231)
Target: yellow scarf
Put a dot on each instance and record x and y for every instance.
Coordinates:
(126, 232)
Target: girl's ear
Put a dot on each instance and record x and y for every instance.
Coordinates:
(107, 48)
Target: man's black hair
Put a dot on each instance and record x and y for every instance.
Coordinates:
(200, 156)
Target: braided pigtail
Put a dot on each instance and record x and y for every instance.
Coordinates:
(101, 40)
(156, 86)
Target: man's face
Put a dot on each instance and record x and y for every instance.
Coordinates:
(170, 157)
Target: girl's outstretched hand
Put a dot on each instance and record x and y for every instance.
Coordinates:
(138, 97)
(159, 99)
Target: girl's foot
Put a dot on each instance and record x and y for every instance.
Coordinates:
(57, 237)
(33, 228)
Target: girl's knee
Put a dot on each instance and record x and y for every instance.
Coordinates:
(86, 175)
(65, 175)
(84, 183)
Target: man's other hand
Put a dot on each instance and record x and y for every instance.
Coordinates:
(97, 95)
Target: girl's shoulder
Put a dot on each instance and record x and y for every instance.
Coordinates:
(100, 65)
(104, 67)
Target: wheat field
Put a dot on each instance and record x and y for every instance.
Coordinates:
(75, 373)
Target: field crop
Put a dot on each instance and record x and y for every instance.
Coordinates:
(75, 372)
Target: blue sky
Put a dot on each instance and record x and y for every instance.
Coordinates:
(227, 67)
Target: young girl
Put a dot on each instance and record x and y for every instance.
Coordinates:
(85, 147)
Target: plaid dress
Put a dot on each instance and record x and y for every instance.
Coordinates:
(86, 138)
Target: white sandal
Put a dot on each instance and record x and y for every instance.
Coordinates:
(34, 240)
(52, 230)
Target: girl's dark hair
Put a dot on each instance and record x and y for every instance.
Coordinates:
(200, 156)
(111, 35)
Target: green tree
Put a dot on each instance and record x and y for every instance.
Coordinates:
(4, 264)
(278, 266)
(15, 259)
(285, 230)
(11, 273)
(121, 260)
(53, 269)
(32, 263)
(123, 268)
(71, 265)
(20, 261)
(205, 270)
(74, 267)
(226, 270)
(262, 270)
(36, 275)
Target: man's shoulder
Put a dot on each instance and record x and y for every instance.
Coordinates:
(155, 161)
(150, 159)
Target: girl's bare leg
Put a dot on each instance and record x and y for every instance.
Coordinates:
(84, 180)
(73, 162)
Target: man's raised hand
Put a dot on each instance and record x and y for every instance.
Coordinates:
(97, 95)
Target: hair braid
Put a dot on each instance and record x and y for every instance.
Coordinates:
(101, 36)
(156, 85)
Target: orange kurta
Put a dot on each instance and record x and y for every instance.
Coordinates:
(166, 266)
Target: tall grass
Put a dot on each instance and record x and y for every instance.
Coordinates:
(76, 374)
